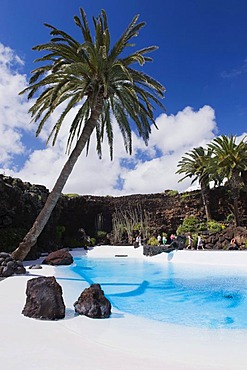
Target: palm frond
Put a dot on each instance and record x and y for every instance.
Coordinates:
(90, 75)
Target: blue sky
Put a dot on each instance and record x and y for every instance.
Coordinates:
(201, 60)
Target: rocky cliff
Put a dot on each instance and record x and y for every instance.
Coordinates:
(21, 202)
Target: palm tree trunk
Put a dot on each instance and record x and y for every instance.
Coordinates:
(235, 182)
(206, 201)
(235, 209)
(244, 179)
(31, 237)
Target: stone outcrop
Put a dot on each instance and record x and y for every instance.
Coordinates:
(60, 257)
(231, 238)
(165, 212)
(21, 203)
(44, 299)
(9, 266)
(93, 303)
(177, 244)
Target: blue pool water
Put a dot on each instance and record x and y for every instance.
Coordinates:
(191, 295)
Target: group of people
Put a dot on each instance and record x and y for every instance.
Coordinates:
(199, 244)
(163, 239)
(190, 244)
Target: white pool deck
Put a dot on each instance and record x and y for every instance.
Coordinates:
(122, 342)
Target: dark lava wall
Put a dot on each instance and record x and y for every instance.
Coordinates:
(21, 202)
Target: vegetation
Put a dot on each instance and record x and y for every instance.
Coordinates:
(153, 241)
(193, 225)
(72, 195)
(185, 196)
(214, 226)
(60, 229)
(128, 221)
(229, 161)
(101, 234)
(172, 193)
(190, 224)
(101, 237)
(230, 218)
(195, 164)
(97, 81)
(222, 160)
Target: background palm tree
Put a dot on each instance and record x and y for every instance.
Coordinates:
(230, 162)
(195, 164)
(91, 76)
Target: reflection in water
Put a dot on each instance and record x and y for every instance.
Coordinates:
(192, 295)
(138, 291)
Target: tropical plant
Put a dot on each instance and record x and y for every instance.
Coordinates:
(185, 196)
(230, 218)
(153, 241)
(172, 193)
(214, 226)
(195, 164)
(99, 82)
(72, 195)
(129, 220)
(101, 234)
(192, 225)
(189, 225)
(60, 229)
(230, 162)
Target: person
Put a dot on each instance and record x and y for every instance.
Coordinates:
(159, 239)
(139, 240)
(190, 242)
(172, 237)
(199, 242)
(164, 240)
(233, 245)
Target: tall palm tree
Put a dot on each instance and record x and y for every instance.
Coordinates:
(92, 77)
(230, 162)
(195, 164)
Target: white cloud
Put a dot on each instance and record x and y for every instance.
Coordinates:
(177, 134)
(152, 168)
(13, 108)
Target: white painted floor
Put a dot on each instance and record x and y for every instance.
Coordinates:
(122, 342)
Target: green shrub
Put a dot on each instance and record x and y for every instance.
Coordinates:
(214, 226)
(194, 239)
(137, 227)
(172, 193)
(101, 234)
(153, 241)
(72, 195)
(60, 229)
(230, 218)
(202, 226)
(184, 196)
(92, 242)
(190, 224)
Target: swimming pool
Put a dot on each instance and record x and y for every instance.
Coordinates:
(185, 294)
